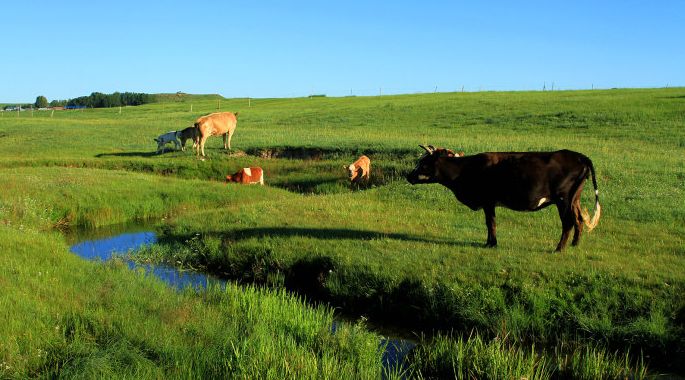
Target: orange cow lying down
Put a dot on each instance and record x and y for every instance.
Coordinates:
(360, 169)
(247, 176)
(215, 124)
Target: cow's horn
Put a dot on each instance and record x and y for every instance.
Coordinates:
(427, 149)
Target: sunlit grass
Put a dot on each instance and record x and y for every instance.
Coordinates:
(399, 254)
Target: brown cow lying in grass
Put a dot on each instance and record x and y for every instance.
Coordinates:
(360, 169)
(215, 124)
(249, 175)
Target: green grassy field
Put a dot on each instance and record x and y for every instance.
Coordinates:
(404, 256)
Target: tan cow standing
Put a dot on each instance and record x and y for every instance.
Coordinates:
(215, 124)
(360, 169)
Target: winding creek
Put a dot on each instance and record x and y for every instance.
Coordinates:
(103, 244)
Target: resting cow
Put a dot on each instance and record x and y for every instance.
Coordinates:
(249, 175)
(185, 135)
(165, 138)
(215, 124)
(518, 181)
(360, 169)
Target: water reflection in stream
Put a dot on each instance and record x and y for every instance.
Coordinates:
(104, 249)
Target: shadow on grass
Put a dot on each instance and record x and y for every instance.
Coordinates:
(129, 154)
(326, 234)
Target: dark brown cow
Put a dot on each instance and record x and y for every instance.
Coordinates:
(185, 135)
(518, 181)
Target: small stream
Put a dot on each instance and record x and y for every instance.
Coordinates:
(103, 244)
(104, 248)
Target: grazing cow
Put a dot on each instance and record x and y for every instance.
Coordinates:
(185, 135)
(215, 124)
(518, 181)
(164, 139)
(249, 175)
(360, 169)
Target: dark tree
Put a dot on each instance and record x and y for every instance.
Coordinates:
(41, 102)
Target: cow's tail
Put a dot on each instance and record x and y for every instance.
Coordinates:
(591, 223)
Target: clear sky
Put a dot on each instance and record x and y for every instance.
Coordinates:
(298, 48)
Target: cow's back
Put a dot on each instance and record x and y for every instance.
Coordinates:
(362, 162)
(511, 178)
(217, 123)
(256, 175)
(249, 175)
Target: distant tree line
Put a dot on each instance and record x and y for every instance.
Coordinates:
(100, 100)
(94, 100)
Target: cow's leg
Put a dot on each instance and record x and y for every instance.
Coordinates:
(225, 136)
(577, 223)
(202, 145)
(230, 135)
(492, 227)
(577, 216)
(567, 222)
(196, 144)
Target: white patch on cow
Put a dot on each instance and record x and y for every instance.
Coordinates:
(261, 178)
(423, 177)
(542, 201)
(248, 172)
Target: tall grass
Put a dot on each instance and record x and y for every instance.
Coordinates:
(474, 357)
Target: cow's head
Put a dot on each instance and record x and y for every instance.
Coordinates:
(353, 172)
(426, 170)
(229, 178)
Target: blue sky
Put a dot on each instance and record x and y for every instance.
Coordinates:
(297, 48)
